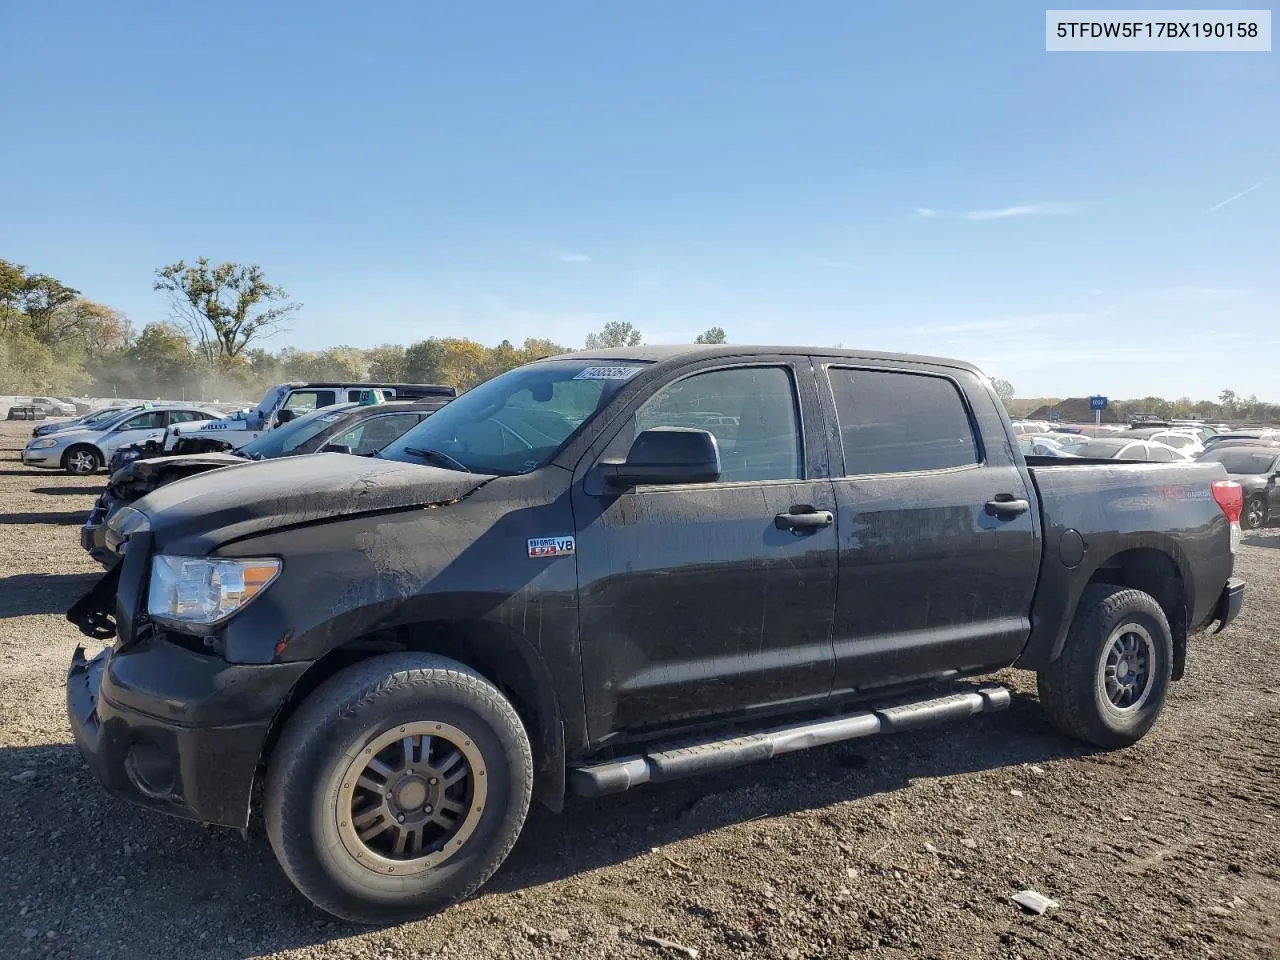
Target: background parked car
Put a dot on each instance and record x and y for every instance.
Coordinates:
(1234, 435)
(1181, 439)
(352, 428)
(1125, 448)
(86, 450)
(53, 407)
(1257, 470)
(1043, 445)
(95, 418)
(363, 429)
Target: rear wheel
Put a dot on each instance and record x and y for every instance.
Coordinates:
(398, 788)
(1110, 682)
(1255, 513)
(82, 461)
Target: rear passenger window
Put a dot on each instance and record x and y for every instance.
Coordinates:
(900, 422)
(751, 411)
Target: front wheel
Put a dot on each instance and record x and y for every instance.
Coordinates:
(398, 788)
(1255, 513)
(82, 461)
(1110, 682)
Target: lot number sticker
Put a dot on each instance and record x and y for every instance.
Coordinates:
(607, 373)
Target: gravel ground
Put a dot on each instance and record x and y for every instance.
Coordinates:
(892, 847)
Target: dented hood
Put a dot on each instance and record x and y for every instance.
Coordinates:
(195, 515)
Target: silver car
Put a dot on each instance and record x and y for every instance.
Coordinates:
(87, 450)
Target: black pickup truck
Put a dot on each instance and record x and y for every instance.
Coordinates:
(620, 567)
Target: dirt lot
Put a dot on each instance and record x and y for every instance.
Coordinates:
(891, 847)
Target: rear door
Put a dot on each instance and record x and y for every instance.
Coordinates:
(696, 600)
(938, 532)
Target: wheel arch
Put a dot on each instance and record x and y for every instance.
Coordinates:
(83, 445)
(501, 656)
(1157, 573)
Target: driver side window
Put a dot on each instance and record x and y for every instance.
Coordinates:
(751, 411)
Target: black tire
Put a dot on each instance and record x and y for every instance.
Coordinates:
(1254, 514)
(328, 733)
(1072, 691)
(82, 460)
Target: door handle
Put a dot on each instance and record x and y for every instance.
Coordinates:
(804, 519)
(1006, 507)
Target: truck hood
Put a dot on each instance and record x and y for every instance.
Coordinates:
(194, 515)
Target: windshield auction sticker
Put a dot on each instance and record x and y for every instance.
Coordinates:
(1158, 31)
(607, 373)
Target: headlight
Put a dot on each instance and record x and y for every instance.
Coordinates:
(205, 590)
(42, 443)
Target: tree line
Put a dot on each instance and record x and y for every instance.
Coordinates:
(54, 340)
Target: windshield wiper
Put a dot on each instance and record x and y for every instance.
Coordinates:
(439, 457)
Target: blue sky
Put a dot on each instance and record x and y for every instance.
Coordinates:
(914, 176)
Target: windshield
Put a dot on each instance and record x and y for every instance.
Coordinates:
(285, 440)
(517, 421)
(103, 417)
(1239, 461)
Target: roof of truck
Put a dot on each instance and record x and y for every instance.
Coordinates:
(665, 352)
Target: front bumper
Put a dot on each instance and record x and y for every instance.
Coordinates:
(1229, 603)
(175, 730)
(40, 458)
(93, 533)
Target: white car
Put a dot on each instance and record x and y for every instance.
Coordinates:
(1186, 441)
(87, 450)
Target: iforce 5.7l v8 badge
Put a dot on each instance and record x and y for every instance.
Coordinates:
(551, 547)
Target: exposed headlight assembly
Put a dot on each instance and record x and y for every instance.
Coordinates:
(205, 590)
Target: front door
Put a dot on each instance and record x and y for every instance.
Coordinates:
(137, 429)
(695, 600)
(939, 546)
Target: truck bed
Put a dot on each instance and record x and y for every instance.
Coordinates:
(1105, 516)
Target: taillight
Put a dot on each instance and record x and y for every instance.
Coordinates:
(1230, 498)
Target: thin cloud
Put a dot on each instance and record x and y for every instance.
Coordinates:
(1218, 206)
(1022, 210)
(572, 257)
(995, 213)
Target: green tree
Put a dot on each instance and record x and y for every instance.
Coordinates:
(615, 333)
(424, 361)
(223, 307)
(711, 335)
(386, 363)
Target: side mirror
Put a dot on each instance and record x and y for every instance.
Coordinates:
(666, 455)
(284, 416)
(335, 448)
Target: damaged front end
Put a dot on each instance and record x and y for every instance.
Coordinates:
(132, 482)
(94, 614)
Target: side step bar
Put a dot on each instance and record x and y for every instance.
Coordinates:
(619, 775)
